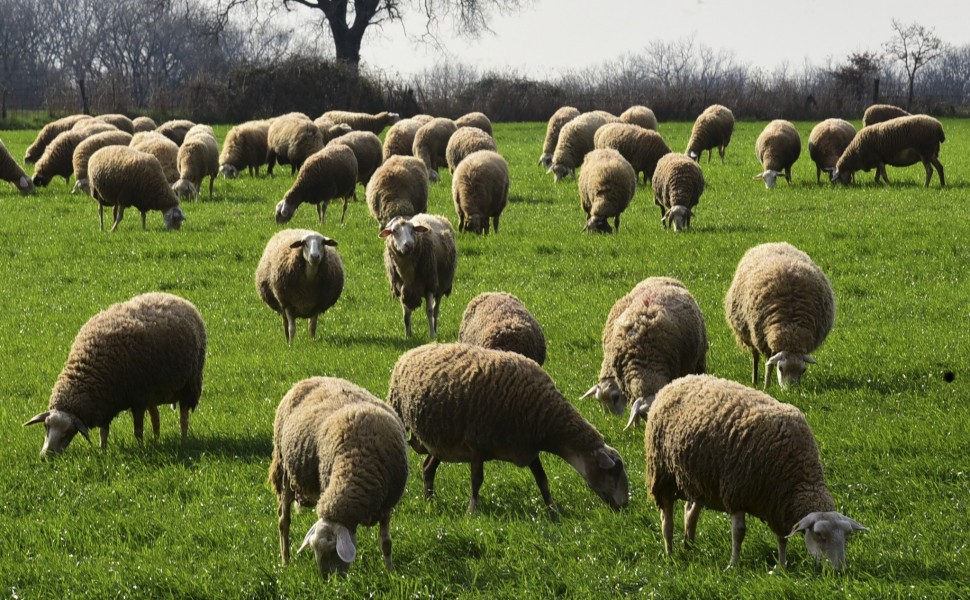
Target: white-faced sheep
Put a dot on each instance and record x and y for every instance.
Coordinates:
(58, 157)
(11, 171)
(245, 147)
(399, 188)
(84, 150)
(47, 134)
(480, 190)
(363, 121)
(367, 149)
(162, 148)
(653, 335)
(576, 140)
(134, 355)
(607, 184)
(464, 141)
(780, 304)
(120, 176)
(340, 449)
(430, 143)
(292, 140)
(420, 257)
(400, 137)
(777, 148)
(175, 130)
(465, 403)
(640, 115)
(899, 142)
(678, 183)
(119, 121)
(712, 129)
(198, 158)
(500, 321)
(642, 148)
(827, 142)
(878, 113)
(723, 446)
(475, 119)
(556, 122)
(327, 175)
(299, 276)
(143, 124)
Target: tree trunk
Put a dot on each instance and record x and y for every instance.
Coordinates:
(909, 102)
(347, 43)
(82, 90)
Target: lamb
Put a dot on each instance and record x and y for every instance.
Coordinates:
(640, 115)
(463, 142)
(198, 158)
(712, 129)
(607, 184)
(399, 188)
(328, 174)
(780, 304)
(430, 143)
(175, 130)
(363, 121)
(120, 122)
(465, 403)
(88, 147)
(400, 137)
(245, 147)
(162, 148)
(58, 157)
(878, 113)
(47, 134)
(480, 189)
(777, 149)
(134, 355)
(143, 124)
(899, 142)
(720, 445)
(292, 140)
(500, 321)
(475, 119)
(553, 129)
(299, 277)
(642, 148)
(367, 150)
(340, 448)
(13, 172)
(827, 142)
(678, 183)
(420, 258)
(653, 335)
(120, 176)
(576, 140)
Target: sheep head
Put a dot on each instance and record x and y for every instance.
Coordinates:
(638, 410)
(545, 161)
(184, 188)
(313, 246)
(284, 212)
(770, 176)
(61, 428)
(608, 393)
(605, 474)
(26, 186)
(679, 217)
(334, 547)
(791, 366)
(401, 233)
(826, 534)
(598, 225)
(561, 171)
(174, 217)
(228, 171)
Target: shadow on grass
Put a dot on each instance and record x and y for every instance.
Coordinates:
(899, 382)
(701, 227)
(244, 445)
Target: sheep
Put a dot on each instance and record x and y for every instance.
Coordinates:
(399, 188)
(501, 321)
(363, 121)
(653, 335)
(430, 144)
(640, 115)
(480, 189)
(198, 158)
(328, 174)
(575, 141)
(120, 176)
(678, 183)
(899, 142)
(367, 150)
(245, 147)
(89, 127)
(712, 129)
(339, 447)
(777, 148)
(330, 130)
(400, 137)
(86, 148)
(780, 304)
(420, 258)
(553, 128)
(119, 121)
(298, 276)
(878, 113)
(718, 444)
(58, 157)
(465, 403)
(162, 148)
(463, 142)
(13, 172)
(134, 355)
(475, 119)
(826, 143)
(143, 123)
(292, 140)
(642, 148)
(607, 184)
(175, 130)
(47, 134)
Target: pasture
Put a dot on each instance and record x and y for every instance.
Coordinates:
(166, 520)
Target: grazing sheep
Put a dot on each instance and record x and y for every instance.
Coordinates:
(120, 176)
(363, 121)
(780, 304)
(712, 129)
(367, 150)
(480, 189)
(642, 148)
(120, 122)
(134, 355)
(475, 119)
(330, 130)
(553, 129)
(328, 174)
(13, 172)
(777, 149)
(607, 184)
(501, 321)
(878, 113)
(400, 137)
(245, 147)
(678, 183)
(162, 148)
(465, 403)
(340, 448)
(720, 445)
(576, 140)
(90, 127)
(827, 142)
(399, 188)
(198, 158)
(299, 277)
(430, 143)
(58, 157)
(292, 140)
(653, 335)
(175, 130)
(143, 124)
(464, 141)
(899, 142)
(88, 147)
(420, 258)
(640, 115)
(47, 134)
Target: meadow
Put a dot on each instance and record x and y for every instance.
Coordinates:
(888, 400)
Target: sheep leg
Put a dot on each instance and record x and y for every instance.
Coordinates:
(769, 369)
(431, 308)
(407, 321)
(616, 223)
(939, 170)
(156, 424)
(104, 436)
(478, 476)
(386, 541)
(929, 172)
(692, 512)
(788, 175)
(667, 523)
(312, 326)
(782, 550)
(211, 181)
(290, 326)
(286, 501)
(818, 174)
(543, 482)
(495, 223)
(738, 529)
(119, 214)
(755, 359)
(101, 215)
(720, 150)
(322, 211)
(343, 213)
(138, 416)
(430, 469)
(184, 421)
(270, 162)
(144, 226)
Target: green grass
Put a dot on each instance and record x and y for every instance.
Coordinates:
(199, 520)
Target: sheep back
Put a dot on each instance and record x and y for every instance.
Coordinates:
(398, 188)
(464, 141)
(712, 129)
(607, 184)
(328, 174)
(292, 140)
(576, 140)
(431, 142)
(501, 321)
(198, 158)
(642, 148)
(363, 121)
(900, 142)
(175, 130)
(47, 134)
(878, 113)
(640, 115)
(677, 181)
(143, 124)
(556, 122)
(122, 176)
(480, 189)
(367, 149)
(778, 146)
(475, 119)
(400, 137)
(826, 143)
(118, 121)
(245, 147)
(162, 148)
(87, 147)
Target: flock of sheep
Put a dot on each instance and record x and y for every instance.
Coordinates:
(711, 442)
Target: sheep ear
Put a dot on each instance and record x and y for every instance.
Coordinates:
(297, 244)
(346, 545)
(421, 229)
(37, 419)
(855, 525)
(329, 242)
(384, 233)
(759, 176)
(639, 410)
(81, 427)
(590, 392)
(773, 360)
(309, 536)
(807, 358)
(803, 525)
(604, 460)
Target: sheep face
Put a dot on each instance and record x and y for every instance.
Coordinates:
(605, 474)
(561, 171)
(770, 177)
(334, 547)
(609, 396)
(40, 181)
(81, 185)
(284, 212)
(228, 171)
(678, 217)
(598, 225)
(791, 366)
(545, 161)
(826, 534)
(25, 186)
(61, 428)
(313, 248)
(401, 231)
(174, 217)
(184, 188)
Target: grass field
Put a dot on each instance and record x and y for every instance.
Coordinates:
(166, 520)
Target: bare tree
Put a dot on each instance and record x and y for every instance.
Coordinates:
(914, 46)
